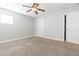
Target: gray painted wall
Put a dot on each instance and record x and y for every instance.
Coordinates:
(22, 26)
(73, 25)
(51, 25)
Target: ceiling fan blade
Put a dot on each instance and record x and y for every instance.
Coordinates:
(36, 12)
(29, 10)
(33, 5)
(26, 6)
(41, 9)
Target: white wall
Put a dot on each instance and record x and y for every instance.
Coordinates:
(22, 26)
(39, 26)
(73, 25)
(51, 26)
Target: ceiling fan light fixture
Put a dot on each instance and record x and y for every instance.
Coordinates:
(34, 9)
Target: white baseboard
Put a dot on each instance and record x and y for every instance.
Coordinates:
(19, 38)
(75, 42)
(55, 39)
(48, 37)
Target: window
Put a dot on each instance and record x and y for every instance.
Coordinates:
(6, 19)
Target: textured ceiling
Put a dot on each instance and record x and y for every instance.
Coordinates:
(49, 7)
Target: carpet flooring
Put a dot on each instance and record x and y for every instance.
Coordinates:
(37, 46)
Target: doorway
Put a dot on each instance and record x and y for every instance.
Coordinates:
(65, 17)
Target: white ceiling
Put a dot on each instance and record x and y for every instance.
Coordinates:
(49, 7)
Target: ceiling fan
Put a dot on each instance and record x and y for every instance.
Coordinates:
(35, 8)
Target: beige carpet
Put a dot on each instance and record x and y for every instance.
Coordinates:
(36, 46)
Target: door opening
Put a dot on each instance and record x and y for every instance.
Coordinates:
(65, 17)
